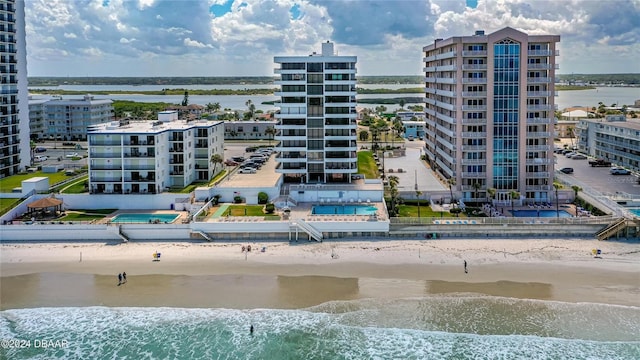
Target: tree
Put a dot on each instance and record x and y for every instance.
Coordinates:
(185, 100)
(215, 160)
(557, 186)
(476, 188)
(402, 102)
(451, 182)
(251, 108)
(393, 186)
(418, 193)
(364, 135)
(514, 195)
(491, 193)
(270, 131)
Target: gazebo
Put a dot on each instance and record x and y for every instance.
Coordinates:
(43, 205)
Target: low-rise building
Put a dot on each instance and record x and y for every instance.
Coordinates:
(413, 129)
(249, 130)
(615, 138)
(68, 119)
(152, 156)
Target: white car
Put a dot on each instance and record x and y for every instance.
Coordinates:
(247, 170)
(40, 158)
(72, 155)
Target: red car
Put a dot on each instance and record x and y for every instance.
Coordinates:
(230, 162)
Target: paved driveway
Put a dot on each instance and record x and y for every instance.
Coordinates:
(413, 169)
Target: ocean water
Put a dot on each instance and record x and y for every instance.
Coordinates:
(435, 327)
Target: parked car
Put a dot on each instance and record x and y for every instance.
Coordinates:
(567, 170)
(230, 162)
(619, 171)
(566, 151)
(40, 158)
(40, 149)
(600, 163)
(238, 159)
(570, 154)
(251, 149)
(578, 157)
(72, 155)
(247, 170)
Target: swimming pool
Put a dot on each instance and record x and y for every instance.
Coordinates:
(144, 218)
(540, 213)
(343, 210)
(635, 212)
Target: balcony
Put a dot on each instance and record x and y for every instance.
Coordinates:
(468, 80)
(538, 93)
(538, 80)
(540, 134)
(540, 107)
(537, 175)
(543, 53)
(474, 175)
(474, 94)
(474, 53)
(474, 135)
(474, 161)
(474, 107)
(474, 67)
(539, 66)
(539, 161)
(537, 187)
(540, 121)
(474, 147)
(538, 147)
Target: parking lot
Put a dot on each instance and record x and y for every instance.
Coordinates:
(57, 154)
(598, 178)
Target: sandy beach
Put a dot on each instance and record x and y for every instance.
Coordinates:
(305, 274)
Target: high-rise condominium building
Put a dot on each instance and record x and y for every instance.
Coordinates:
(14, 105)
(490, 113)
(316, 123)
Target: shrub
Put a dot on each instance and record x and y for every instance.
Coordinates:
(263, 197)
(237, 199)
(216, 199)
(269, 208)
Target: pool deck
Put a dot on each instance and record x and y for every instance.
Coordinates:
(181, 219)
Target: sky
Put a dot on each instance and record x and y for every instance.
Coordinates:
(80, 38)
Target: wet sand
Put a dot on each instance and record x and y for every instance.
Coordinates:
(285, 276)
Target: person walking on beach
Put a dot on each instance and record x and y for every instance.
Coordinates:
(251, 330)
(119, 279)
(124, 277)
(465, 267)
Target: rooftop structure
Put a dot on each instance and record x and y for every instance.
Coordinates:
(151, 156)
(490, 113)
(316, 123)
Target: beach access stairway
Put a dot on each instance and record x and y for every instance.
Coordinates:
(612, 229)
(204, 235)
(307, 228)
(122, 235)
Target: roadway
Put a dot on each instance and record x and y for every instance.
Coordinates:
(598, 178)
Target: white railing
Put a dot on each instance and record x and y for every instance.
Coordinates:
(313, 232)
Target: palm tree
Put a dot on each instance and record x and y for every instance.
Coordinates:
(476, 188)
(215, 160)
(491, 193)
(393, 185)
(402, 102)
(451, 182)
(557, 186)
(270, 131)
(251, 108)
(514, 195)
(418, 193)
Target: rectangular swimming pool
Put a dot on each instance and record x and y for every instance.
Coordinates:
(343, 210)
(144, 218)
(540, 213)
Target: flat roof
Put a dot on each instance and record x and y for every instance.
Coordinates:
(628, 124)
(265, 177)
(148, 127)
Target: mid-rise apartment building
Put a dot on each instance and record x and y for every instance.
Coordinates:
(316, 123)
(614, 138)
(68, 119)
(14, 106)
(148, 157)
(490, 113)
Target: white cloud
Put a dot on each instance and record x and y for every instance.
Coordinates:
(386, 35)
(193, 43)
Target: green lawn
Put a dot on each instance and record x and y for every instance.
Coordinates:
(9, 183)
(251, 210)
(217, 177)
(367, 165)
(77, 187)
(7, 204)
(96, 211)
(80, 217)
(425, 211)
